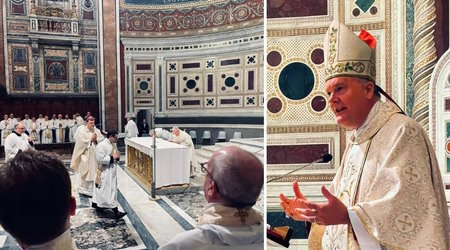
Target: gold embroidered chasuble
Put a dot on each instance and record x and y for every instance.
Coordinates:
(390, 178)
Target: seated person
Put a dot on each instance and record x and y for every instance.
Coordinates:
(234, 179)
(36, 201)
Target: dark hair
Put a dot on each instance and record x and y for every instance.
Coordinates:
(35, 197)
(111, 133)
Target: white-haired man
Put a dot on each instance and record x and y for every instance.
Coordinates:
(388, 192)
(185, 139)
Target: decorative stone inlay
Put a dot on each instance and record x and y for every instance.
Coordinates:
(274, 105)
(274, 58)
(318, 103)
(364, 5)
(317, 56)
(296, 81)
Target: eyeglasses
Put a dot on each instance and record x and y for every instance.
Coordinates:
(205, 170)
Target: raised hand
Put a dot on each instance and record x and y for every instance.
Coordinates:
(331, 212)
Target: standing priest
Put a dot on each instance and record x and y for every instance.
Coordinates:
(17, 142)
(84, 162)
(105, 191)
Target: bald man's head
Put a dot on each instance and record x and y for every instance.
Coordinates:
(238, 176)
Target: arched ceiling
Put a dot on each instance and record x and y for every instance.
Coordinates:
(167, 18)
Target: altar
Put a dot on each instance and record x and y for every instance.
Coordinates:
(172, 161)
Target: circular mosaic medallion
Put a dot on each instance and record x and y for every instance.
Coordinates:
(373, 10)
(318, 103)
(274, 58)
(317, 56)
(356, 12)
(274, 105)
(229, 82)
(56, 70)
(143, 85)
(191, 84)
(296, 81)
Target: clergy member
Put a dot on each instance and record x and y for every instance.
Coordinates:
(185, 139)
(105, 191)
(131, 129)
(17, 142)
(73, 125)
(6, 128)
(47, 128)
(84, 161)
(388, 192)
(33, 130)
(233, 182)
(60, 126)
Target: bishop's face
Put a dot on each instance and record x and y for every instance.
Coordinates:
(90, 124)
(349, 98)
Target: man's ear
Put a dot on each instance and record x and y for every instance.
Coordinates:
(73, 206)
(211, 192)
(370, 89)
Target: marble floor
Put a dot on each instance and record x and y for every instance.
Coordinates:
(148, 224)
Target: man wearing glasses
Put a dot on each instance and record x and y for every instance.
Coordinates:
(233, 182)
(17, 142)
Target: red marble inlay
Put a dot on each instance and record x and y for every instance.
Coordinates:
(274, 105)
(295, 8)
(295, 154)
(274, 58)
(318, 103)
(317, 56)
(447, 104)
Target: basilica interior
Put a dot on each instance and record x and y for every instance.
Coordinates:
(198, 65)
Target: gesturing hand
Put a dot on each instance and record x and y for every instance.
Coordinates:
(331, 212)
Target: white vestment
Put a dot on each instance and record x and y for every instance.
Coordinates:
(6, 129)
(60, 126)
(84, 161)
(106, 194)
(46, 128)
(33, 131)
(15, 142)
(27, 123)
(131, 129)
(40, 122)
(222, 227)
(73, 125)
(185, 139)
(390, 182)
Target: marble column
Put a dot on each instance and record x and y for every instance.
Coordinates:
(2, 50)
(110, 66)
(424, 58)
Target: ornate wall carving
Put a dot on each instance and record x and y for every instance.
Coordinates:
(196, 17)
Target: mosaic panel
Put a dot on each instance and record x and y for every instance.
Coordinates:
(90, 83)
(89, 58)
(294, 8)
(229, 82)
(20, 82)
(17, 7)
(88, 9)
(177, 19)
(286, 153)
(19, 55)
(364, 11)
(144, 85)
(56, 70)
